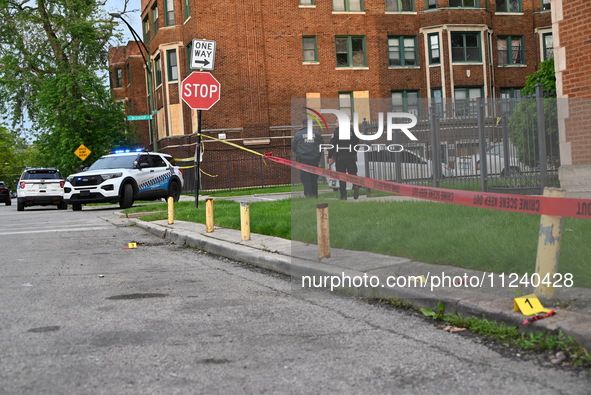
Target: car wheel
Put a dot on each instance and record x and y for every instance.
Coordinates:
(20, 206)
(126, 200)
(174, 190)
(513, 171)
(62, 206)
(8, 202)
(77, 206)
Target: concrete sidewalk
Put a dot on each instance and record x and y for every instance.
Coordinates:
(471, 296)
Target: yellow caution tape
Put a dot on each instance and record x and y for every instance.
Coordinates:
(235, 145)
(207, 174)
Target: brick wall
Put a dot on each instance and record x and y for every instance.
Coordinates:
(572, 44)
(259, 55)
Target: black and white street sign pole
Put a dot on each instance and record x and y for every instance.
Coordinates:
(202, 58)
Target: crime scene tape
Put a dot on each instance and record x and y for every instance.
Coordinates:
(540, 205)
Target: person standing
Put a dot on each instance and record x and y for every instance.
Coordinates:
(344, 156)
(308, 152)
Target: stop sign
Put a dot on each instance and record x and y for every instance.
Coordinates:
(200, 90)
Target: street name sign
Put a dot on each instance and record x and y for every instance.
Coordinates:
(202, 54)
(138, 117)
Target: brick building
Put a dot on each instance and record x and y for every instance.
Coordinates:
(128, 84)
(270, 52)
(572, 26)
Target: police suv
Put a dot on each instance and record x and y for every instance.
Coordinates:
(40, 186)
(124, 178)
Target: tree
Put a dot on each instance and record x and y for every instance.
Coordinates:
(523, 122)
(53, 58)
(14, 154)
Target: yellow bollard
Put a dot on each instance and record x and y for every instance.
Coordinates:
(323, 230)
(245, 221)
(170, 210)
(209, 215)
(548, 248)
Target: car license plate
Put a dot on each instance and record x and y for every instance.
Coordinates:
(85, 193)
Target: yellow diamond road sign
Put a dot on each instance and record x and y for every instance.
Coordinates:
(82, 152)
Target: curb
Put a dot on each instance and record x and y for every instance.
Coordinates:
(463, 302)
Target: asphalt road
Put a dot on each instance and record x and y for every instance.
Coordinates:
(81, 314)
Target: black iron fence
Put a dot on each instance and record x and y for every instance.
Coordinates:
(508, 145)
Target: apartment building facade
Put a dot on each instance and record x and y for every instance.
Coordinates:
(128, 85)
(409, 53)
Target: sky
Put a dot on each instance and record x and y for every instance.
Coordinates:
(133, 18)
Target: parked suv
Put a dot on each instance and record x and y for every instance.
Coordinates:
(5, 194)
(40, 186)
(495, 162)
(124, 178)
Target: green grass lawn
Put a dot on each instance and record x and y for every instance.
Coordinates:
(437, 233)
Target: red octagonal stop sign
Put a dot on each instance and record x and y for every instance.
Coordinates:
(200, 90)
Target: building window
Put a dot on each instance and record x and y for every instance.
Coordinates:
(187, 8)
(307, 2)
(118, 77)
(510, 50)
(173, 69)
(509, 99)
(146, 29)
(437, 100)
(350, 51)
(309, 48)
(402, 50)
(347, 5)
(466, 100)
(548, 46)
(169, 12)
(157, 71)
(465, 47)
(189, 52)
(434, 54)
(346, 103)
(154, 19)
(464, 3)
(431, 4)
(406, 101)
(546, 5)
(400, 5)
(128, 72)
(509, 6)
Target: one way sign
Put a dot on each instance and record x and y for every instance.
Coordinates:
(202, 55)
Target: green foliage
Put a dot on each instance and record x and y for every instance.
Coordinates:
(14, 155)
(53, 61)
(523, 123)
(435, 314)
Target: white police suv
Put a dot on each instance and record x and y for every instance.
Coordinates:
(123, 178)
(40, 186)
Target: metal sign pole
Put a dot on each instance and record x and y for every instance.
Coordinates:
(198, 160)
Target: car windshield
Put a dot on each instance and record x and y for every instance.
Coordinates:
(41, 175)
(114, 162)
(496, 150)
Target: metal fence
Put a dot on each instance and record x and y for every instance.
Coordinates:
(508, 145)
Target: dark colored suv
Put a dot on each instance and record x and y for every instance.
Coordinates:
(5, 194)
(41, 186)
